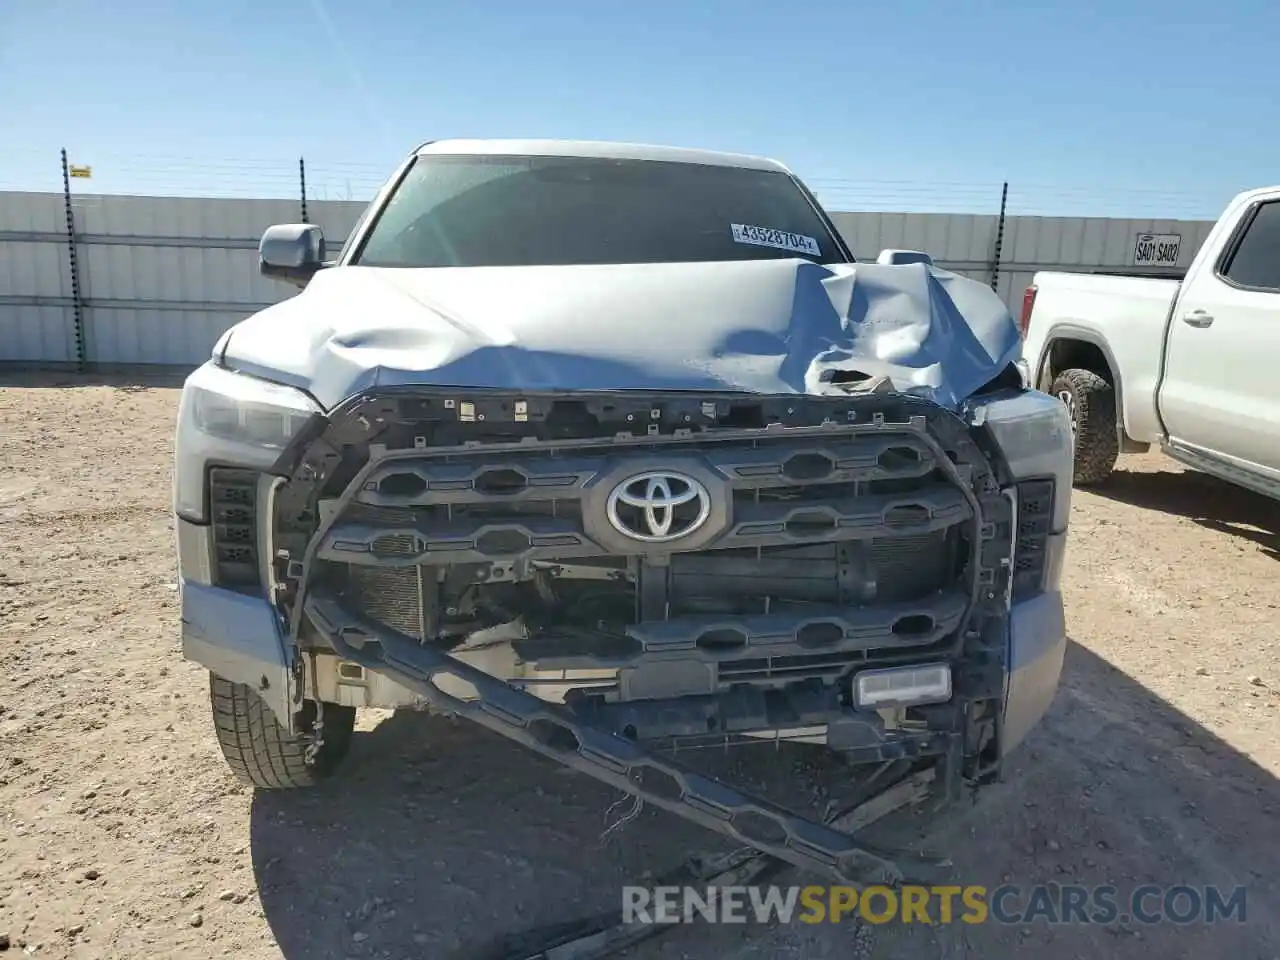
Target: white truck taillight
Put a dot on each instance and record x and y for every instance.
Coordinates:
(1028, 303)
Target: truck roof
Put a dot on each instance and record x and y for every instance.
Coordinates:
(1248, 196)
(597, 148)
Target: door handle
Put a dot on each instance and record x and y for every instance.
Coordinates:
(1197, 318)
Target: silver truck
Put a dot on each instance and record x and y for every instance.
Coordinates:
(614, 448)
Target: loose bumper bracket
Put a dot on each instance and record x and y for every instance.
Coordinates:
(553, 731)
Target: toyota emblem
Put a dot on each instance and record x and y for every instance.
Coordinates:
(658, 506)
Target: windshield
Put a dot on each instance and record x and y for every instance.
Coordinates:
(491, 211)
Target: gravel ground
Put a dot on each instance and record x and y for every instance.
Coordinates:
(124, 835)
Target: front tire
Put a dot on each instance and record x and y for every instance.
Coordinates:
(1091, 401)
(262, 753)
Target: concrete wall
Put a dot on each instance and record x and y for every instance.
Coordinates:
(162, 277)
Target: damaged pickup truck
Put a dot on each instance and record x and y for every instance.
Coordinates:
(613, 449)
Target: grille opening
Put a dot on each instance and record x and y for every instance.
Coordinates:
(571, 418)
(895, 459)
(906, 515)
(236, 531)
(756, 826)
(660, 782)
(902, 484)
(235, 495)
(808, 491)
(554, 736)
(811, 525)
(396, 545)
(500, 483)
(498, 543)
(808, 466)
(717, 640)
(402, 485)
(507, 511)
(819, 635)
(714, 583)
(743, 416)
(1035, 504)
(232, 513)
(800, 665)
(913, 625)
(1030, 561)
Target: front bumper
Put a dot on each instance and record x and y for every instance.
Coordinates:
(594, 745)
(1037, 645)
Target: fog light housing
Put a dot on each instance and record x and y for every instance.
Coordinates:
(902, 686)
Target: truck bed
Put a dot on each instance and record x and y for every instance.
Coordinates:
(1133, 311)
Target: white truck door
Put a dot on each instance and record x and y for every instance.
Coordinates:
(1221, 388)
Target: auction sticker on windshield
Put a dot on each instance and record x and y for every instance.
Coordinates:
(778, 239)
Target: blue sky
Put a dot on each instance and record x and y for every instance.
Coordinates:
(1127, 107)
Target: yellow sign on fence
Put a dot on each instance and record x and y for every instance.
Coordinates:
(85, 172)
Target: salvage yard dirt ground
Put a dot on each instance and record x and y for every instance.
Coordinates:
(122, 833)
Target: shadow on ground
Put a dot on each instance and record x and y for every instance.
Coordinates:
(439, 838)
(1206, 500)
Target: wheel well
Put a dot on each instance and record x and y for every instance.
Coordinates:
(1070, 354)
(1074, 355)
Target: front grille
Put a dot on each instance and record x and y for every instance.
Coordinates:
(232, 507)
(438, 509)
(842, 538)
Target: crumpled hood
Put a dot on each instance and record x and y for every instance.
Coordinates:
(766, 326)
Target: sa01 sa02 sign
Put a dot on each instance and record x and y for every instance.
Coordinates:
(1157, 250)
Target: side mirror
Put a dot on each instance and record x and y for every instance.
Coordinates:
(291, 252)
(899, 257)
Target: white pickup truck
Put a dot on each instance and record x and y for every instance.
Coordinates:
(1193, 366)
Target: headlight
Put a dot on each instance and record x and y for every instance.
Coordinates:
(229, 419)
(243, 410)
(1033, 431)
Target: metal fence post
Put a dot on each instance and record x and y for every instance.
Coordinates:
(302, 183)
(77, 304)
(995, 257)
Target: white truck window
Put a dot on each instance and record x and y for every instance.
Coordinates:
(1255, 262)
